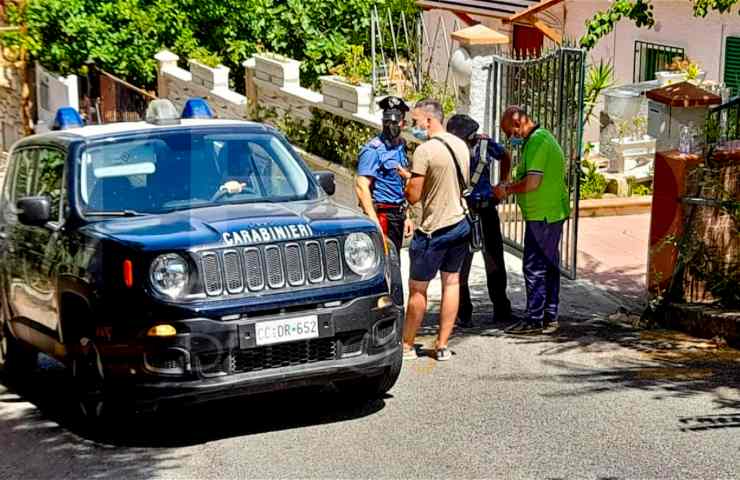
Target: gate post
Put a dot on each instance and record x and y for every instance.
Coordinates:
(165, 59)
(471, 64)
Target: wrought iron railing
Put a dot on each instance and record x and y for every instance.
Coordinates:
(722, 125)
(107, 98)
(550, 88)
(651, 58)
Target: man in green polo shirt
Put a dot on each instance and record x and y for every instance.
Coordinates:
(542, 194)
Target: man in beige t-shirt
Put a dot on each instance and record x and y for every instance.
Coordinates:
(441, 242)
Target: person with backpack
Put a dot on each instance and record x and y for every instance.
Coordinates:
(484, 151)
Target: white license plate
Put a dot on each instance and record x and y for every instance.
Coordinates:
(288, 330)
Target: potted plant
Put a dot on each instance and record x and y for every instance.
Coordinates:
(207, 69)
(346, 88)
(277, 69)
(681, 69)
(633, 146)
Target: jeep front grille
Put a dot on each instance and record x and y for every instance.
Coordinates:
(234, 271)
(268, 357)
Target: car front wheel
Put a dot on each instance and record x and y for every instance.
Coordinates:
(375, 386)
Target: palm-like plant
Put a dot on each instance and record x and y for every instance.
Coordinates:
(599, 77)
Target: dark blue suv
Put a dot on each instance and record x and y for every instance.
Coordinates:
(189, 260)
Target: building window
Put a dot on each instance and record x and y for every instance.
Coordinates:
(651, 58)
(732, 65)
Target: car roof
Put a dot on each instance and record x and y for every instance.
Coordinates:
(92, 132)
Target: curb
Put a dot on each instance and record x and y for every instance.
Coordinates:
(611, 207)
(704, 321)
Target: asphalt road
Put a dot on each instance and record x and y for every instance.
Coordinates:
(597, 400)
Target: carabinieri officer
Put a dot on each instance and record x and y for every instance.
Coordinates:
(378, 185)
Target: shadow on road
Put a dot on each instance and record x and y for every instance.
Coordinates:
(51, 421)
(45, 443)
(667, 363)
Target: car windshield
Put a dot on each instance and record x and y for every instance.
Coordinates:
(163, 172)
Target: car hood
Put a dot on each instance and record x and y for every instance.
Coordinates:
(232, 225)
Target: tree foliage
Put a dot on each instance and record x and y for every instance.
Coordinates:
(602, 23)
(122, 36)
(641, 13)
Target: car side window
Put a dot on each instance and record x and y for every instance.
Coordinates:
(50, 175)
(23, 174)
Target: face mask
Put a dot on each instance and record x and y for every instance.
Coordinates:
(391, 130)
(516, 141)
(420, 133)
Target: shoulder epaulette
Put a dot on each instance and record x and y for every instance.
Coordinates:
(375, 143)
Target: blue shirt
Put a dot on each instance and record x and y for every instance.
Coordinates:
(378, 159)
(483, 189)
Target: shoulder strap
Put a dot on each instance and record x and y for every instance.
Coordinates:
(460, 179)
(482, 162)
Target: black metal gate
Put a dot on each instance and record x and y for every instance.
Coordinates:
(550, 89)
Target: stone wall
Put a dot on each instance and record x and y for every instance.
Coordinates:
(178, 84)
(273, 83)
(11, 124)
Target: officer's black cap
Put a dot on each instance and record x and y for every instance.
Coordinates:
(462, 126)
(394, 108)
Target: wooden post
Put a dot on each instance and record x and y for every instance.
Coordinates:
(251, 87)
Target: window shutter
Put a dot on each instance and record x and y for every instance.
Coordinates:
(732, 64)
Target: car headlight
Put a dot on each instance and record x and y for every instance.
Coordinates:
(170, 275)
(360, 253)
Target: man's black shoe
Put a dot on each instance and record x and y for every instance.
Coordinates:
(464, 323)
(523, 328)
(551, 326)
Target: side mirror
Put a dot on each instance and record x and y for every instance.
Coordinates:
(34, 211)
(326, 180)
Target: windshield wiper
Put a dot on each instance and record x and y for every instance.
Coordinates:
(118, 213)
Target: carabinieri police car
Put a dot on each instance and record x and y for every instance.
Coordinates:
(188, 258)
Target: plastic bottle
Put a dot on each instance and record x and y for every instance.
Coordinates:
(684, 140)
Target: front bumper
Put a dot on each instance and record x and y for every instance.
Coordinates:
(211, 359)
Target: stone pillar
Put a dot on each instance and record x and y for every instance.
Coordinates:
(250, 85)
(470, 65)
(165, 59)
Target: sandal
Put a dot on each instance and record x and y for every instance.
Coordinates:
(443, 354)
(410, 353)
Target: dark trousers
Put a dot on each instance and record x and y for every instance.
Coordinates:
(393, 225)
(493, 256)
(542, 270)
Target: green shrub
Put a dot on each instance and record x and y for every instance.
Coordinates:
(205, 57)
(122, 36)
(638, 189)
(356, 67)
(593, 184)
(431, 89)
(333, 138)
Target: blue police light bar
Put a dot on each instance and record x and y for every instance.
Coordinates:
(196, 108)
(66, 118)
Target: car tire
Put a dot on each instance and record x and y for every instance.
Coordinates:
(18, 360)
(368, 388)
(88, 380)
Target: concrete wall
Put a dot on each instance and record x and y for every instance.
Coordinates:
(11, 125)
(177, 85)
(702, 38)
(53, 92)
